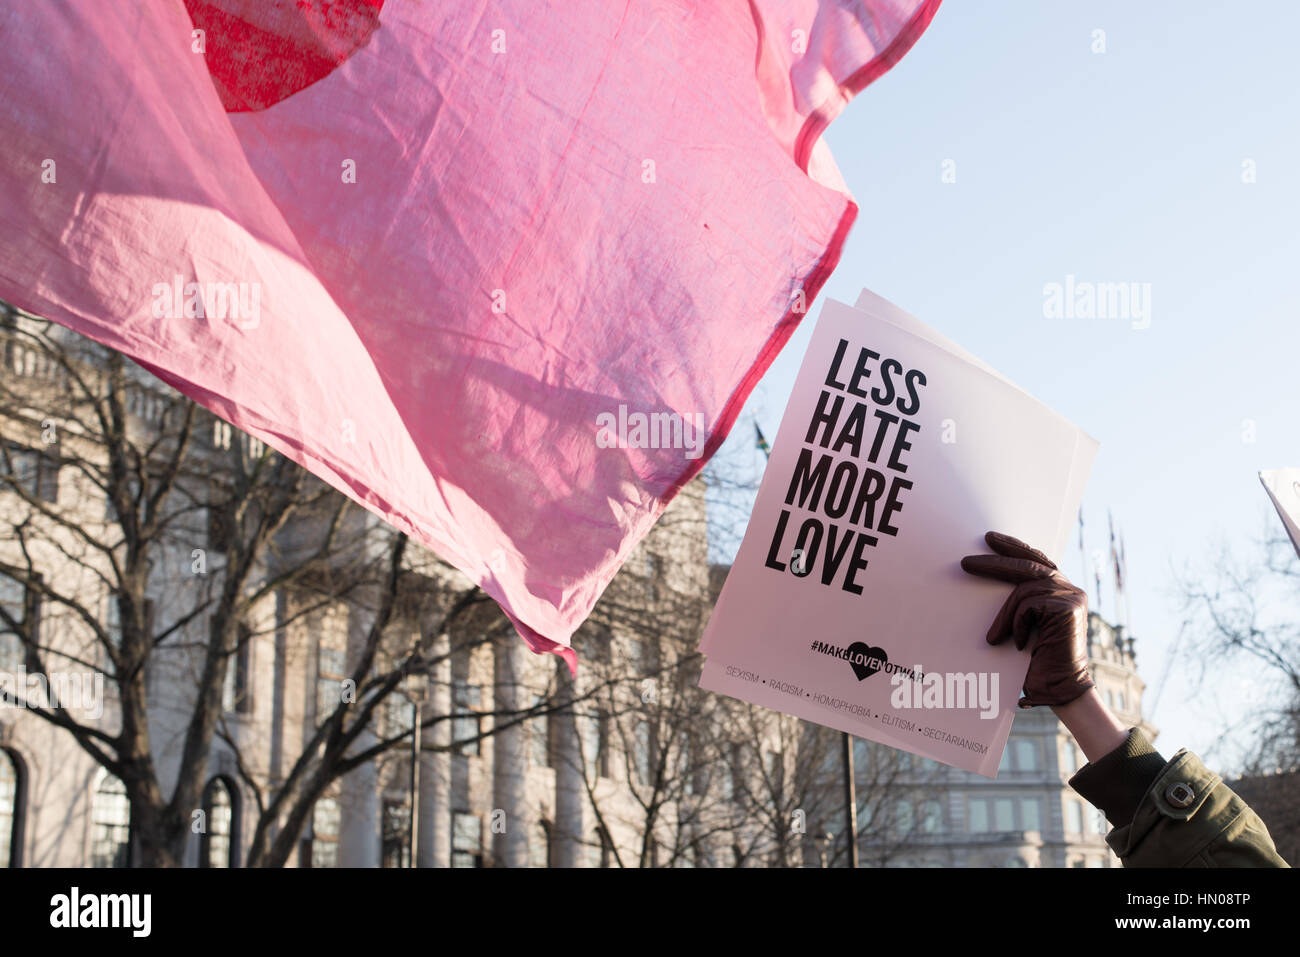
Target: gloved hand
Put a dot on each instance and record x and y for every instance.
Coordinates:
(1043, 608)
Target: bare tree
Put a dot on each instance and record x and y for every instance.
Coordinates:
(149, 540)
(1251, 609)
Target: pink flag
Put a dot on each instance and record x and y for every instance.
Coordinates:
(426, 249)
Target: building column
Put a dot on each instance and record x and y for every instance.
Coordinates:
(510, 758)
(570, 790)
(359, 816)
(435, 767)
(359, 837)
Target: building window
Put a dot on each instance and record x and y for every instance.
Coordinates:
(904, 817)
(540, 848)
(398, 715)
(466, 723)
(1027, 754)
(12, 810)
(1006, 762)
(331, 665)
(466, 840)
(652, 573)
(397, 833)
(999, 814)
(641, 752)
(110, 818)
(595, 744)
(218, 844)
(774, 771)
(730, 774)
(251, 447)
(222, 435)
(1074, 817)
(1030, 817)
(325, 833)
(219, 520)
(35, 472)
(16, 602)
(113, 620)
(932, 817)
(699, 771)
(1004, 814)
(236, 693)
(861, 758)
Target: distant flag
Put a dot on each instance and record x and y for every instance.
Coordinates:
(1098, 559)
(1081, 528)
(1122, 575)
(1114, 556)
(760, 442)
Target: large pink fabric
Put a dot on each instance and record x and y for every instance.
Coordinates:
(558, 209)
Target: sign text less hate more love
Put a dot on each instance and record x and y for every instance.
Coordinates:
(863, 410)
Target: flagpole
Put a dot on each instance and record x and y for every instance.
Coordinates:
(1123, 560)
(1083, 554)
(846, 740)
(1117, 566)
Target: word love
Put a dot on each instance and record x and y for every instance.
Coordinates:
(849, 474)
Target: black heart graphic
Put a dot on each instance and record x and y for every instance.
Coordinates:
(870, 661)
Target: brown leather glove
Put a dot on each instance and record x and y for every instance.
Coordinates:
(1043, 608)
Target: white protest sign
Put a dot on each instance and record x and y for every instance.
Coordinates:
(1283, 487)
(846, 604)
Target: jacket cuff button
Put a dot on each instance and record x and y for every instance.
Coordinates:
(1180, 795)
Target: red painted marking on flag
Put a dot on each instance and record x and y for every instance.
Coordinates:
(261, 51)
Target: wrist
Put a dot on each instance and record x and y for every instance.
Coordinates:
(1097, 731)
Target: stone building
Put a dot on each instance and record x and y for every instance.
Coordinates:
(524, 766)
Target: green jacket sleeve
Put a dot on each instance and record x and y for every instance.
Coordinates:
(1174, 813)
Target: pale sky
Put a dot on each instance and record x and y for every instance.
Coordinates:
(1121, 166)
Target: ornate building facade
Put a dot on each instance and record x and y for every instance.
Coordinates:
(521, 763)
